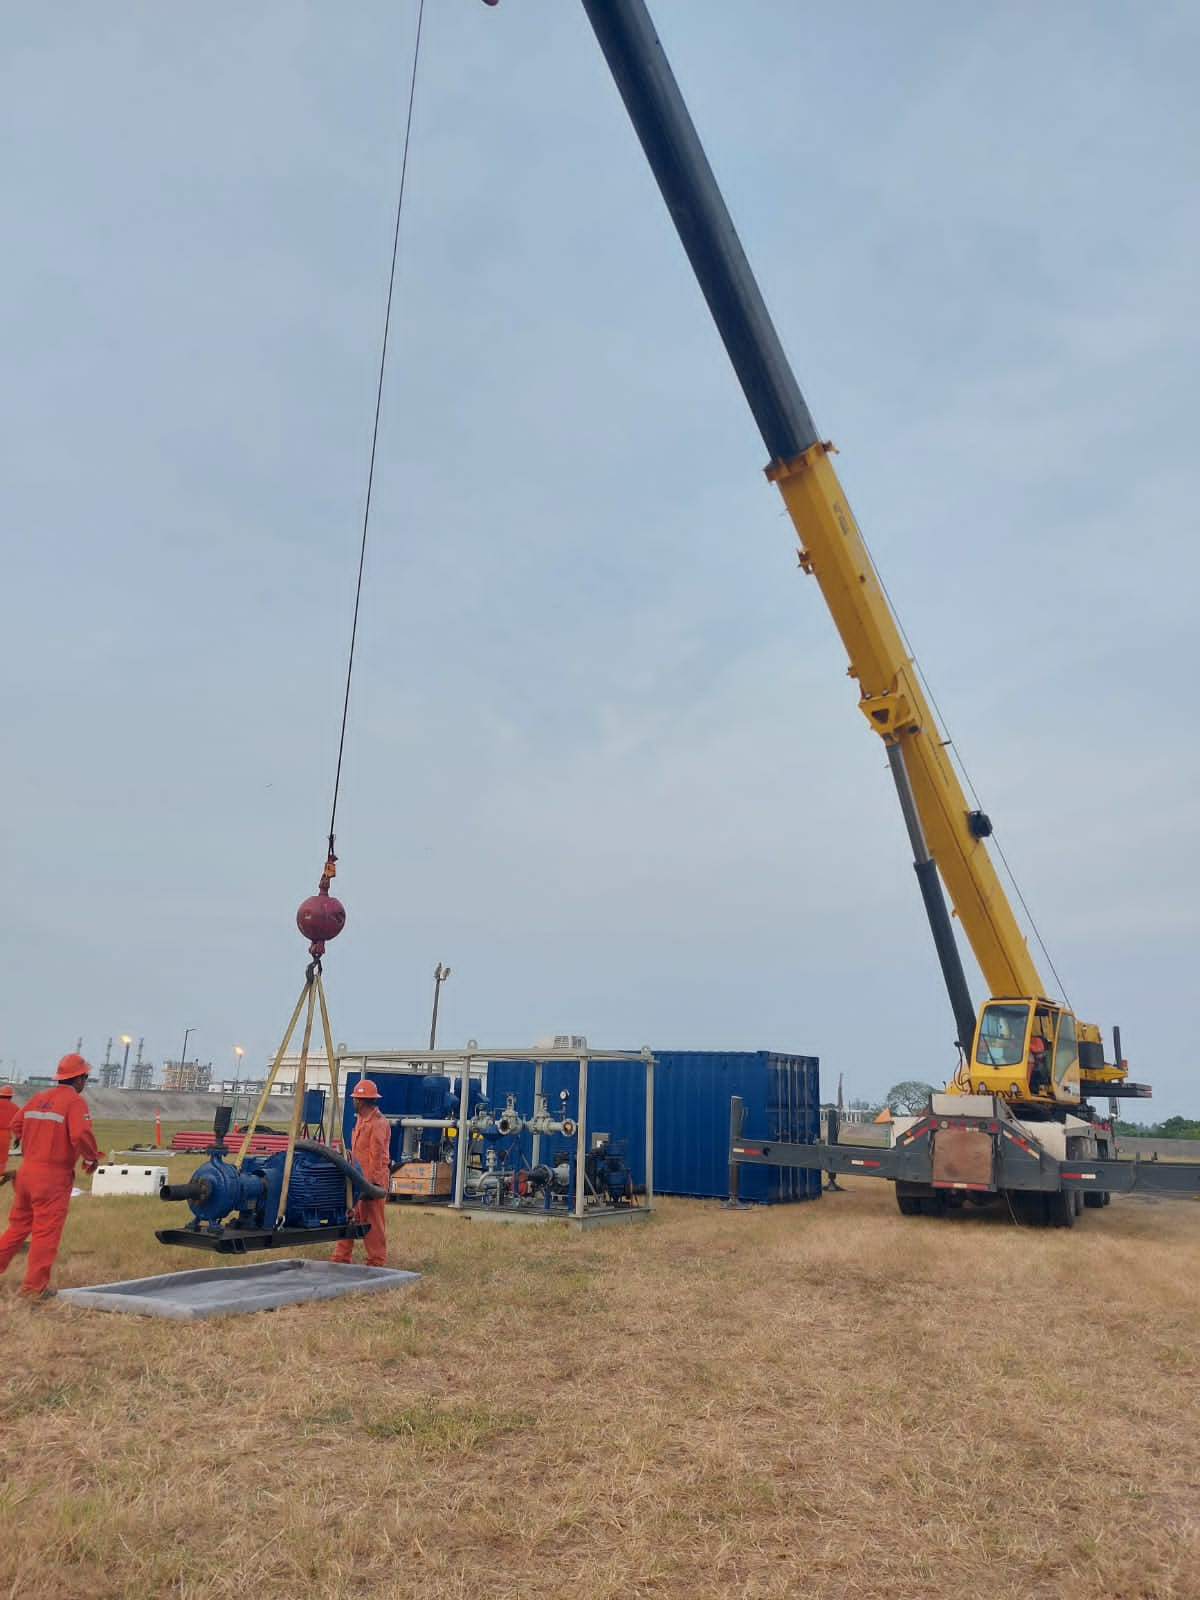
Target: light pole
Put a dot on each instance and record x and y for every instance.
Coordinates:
(440, 974)
(187, 1032)
(126, 1040)
(238, 1053)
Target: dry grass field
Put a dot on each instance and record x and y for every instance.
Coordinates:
(825, 1401)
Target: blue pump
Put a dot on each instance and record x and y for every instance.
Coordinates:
(234, 1210)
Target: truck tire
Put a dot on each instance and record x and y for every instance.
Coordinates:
(1095, 1200)
(1079, 1150)
(910, 1205)
(1060, 1209)
(1028, 1207)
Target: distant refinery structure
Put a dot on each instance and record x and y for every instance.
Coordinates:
(114, 1073)
(190, 1077)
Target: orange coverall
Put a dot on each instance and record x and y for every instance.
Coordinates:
(369, 1146)
(8, 1112)
(55, 1130)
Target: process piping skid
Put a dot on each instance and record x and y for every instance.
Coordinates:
(519, 1145)
(505, 1180)
(526, 1163)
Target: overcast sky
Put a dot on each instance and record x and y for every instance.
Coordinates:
(602, 755)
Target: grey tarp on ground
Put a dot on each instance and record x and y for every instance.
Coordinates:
(230, 1291)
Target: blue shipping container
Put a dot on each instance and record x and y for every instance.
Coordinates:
(692, 1092)
(411, 1094)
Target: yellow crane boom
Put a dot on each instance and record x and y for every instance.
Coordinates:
(1023, 1045)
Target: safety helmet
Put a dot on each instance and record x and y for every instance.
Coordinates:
(70, 1067)
(6, 1092)
(364, 1089)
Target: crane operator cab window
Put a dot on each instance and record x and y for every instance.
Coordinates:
(1066, 1048)
(1041, 1051)
(1001, 1038)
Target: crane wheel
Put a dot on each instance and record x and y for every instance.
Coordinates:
(1028, 1207)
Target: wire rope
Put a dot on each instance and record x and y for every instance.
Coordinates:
(383, 353)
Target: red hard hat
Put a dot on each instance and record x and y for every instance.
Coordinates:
(71, 1066)
(6, 1091)
(364, 1089)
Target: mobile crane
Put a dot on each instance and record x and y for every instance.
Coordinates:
(1014, 1120)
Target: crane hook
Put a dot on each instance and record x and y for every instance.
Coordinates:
(322, 917)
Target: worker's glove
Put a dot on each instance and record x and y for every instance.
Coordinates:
(90, 1166)
(6, 1177)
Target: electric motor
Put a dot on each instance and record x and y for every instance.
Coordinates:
(316, 1191)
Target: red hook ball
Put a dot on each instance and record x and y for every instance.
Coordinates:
(321, 917)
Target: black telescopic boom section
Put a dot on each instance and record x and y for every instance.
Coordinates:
(662, 123)
(936, 909)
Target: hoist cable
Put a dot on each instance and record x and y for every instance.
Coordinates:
(996, 845)
(387, 322)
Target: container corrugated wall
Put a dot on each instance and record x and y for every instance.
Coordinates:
(692, 1091)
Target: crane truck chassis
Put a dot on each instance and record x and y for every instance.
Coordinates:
(971, 1150)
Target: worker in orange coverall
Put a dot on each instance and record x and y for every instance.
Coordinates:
(8, 1112)
(369, 1146)
(55, 1131)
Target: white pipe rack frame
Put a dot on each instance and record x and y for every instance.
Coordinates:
(473, 1062)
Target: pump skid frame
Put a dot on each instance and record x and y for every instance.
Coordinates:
(231, 1241)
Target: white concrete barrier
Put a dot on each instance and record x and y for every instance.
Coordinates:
(128, 1179)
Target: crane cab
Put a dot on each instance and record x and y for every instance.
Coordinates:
(1026, 1051)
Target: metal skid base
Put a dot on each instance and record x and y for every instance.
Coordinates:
(231, 1291)
(241, 1241)
(595, 1217)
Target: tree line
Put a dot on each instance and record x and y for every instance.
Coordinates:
(1171, 1128)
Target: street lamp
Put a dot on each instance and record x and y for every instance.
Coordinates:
(238, 1053)
(126, 1040)
(440, 974)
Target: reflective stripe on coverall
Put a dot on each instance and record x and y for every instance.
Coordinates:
(369, 1146)
(55, 1130)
